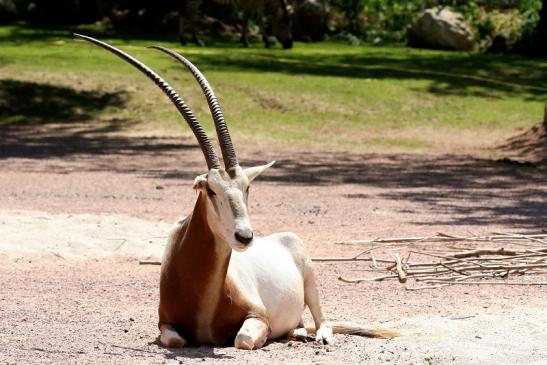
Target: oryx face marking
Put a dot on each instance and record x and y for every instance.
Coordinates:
(227, 196)
(227, 211)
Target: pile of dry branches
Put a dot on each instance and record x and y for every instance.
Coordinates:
(449, 265)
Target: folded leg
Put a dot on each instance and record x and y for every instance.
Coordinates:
(252, 334)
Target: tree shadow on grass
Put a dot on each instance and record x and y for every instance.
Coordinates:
(42, 121)
(81, 141)
(468, 75)
(448, 73)
(24, 102)
(21, 32)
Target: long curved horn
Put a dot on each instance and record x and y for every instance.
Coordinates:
(228, 152)
(206, 147)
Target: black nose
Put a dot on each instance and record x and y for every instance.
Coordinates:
(244, 239)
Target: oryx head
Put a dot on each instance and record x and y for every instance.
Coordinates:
(225, 190)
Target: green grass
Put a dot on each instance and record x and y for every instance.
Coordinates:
(327, 95)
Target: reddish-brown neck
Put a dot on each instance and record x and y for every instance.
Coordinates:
(194, 274)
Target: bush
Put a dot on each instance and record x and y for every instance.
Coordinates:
(379, 21)
(500, 29)
(375, 20)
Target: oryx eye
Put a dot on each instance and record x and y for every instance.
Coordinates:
(247, 191)
(211, 192)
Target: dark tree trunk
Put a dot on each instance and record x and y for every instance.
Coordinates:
(103, 7)
(543, 17)
(93, 10)
(539, 38)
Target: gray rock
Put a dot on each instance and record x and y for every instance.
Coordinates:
(441, 28)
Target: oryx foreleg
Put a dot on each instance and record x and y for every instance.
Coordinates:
(252, 334)
(311, 298)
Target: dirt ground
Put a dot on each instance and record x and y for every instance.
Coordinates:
(79, 208)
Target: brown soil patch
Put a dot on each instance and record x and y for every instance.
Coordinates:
(528, 147)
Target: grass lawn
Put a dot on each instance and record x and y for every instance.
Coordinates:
(325, 95)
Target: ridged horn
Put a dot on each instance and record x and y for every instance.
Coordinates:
(228, 152)
(204, 142)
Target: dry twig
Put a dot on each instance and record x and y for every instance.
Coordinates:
(400, 271)
(461, 266)
(149, 262)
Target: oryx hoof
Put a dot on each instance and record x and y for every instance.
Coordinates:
(170, 338)
(299, 333)
(324, 335)
(244, 341)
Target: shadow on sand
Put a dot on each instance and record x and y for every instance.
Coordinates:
(461, 190)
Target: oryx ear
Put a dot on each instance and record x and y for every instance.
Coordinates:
(200, 182)
(253, 172)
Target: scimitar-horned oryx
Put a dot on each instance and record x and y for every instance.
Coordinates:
(219, 281)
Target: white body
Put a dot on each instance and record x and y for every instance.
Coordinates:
(268, 274)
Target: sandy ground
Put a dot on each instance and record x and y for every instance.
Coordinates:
(83, 236)
(77, 211)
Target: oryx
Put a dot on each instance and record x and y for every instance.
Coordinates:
(220, 283)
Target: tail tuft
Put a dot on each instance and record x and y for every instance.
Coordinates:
(352, 328)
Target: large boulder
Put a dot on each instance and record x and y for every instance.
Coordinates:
(441, 28)
(310, 19)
